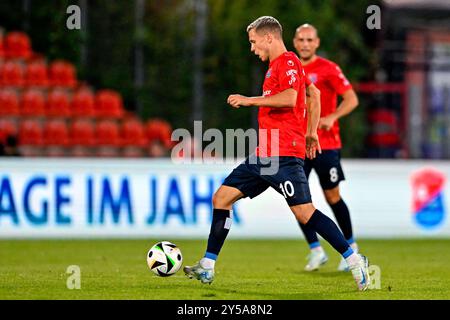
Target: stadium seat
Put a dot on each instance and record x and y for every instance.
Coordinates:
(30, 138)
(385, 128)
(56, 133)
(58, 104)
(17, 45)
(9, 103)
(7, 128)
(108, 138)
(33, 103)
(83, 104)
(55, 138)
(12, 74)
(158, 129)
(109, 104)
(62, 74)
(134, 138)
(82, 138)
(133, 133)
(36, 74)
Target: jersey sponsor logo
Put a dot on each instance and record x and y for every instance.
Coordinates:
(290, 63)
(292, 73)
(428, 198)
(267, 93)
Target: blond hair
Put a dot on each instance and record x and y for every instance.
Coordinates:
(266, 24)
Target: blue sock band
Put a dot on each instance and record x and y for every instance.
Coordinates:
(314, 245)
(347, 253)
(350, 241)
(210, 255)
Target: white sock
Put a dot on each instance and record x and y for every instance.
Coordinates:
(317, 249)
(353, 259)
(207, 263)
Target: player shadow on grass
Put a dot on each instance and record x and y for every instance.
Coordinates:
(325, 274)
(217, 291)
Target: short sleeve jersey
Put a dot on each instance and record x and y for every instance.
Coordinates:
(329, 79)
(282, 130)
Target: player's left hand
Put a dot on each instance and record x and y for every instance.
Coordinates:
(327, 122)
(237, 100)
(312, 145)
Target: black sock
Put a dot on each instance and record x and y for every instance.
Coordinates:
(310, 235)
(330, 232)
(342, 215)
(220, 226)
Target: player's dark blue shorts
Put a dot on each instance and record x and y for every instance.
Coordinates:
(253, 176)
(328, 167)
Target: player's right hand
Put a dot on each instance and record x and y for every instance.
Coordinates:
(237, 100)
(312, 145)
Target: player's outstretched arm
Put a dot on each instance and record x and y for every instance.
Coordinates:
(313, 105)
(284, 99)
(348, 104)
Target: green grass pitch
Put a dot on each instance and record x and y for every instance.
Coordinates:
(246, 269)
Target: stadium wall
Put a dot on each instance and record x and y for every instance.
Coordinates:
(99, 198)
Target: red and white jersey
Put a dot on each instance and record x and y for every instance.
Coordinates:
(284, 72)
(329, 79)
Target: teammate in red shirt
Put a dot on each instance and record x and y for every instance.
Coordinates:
(331, 82)
(283, 113)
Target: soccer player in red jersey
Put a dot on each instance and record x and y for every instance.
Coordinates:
(282, 113)
(331, 82)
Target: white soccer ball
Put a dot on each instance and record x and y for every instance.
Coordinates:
(164, 259)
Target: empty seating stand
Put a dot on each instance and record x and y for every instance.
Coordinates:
(53, 114)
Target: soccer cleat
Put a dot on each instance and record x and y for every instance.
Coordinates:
(315, 259)
(198, 272)
(343, 266)
(360, 272)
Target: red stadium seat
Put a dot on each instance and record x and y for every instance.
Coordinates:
(109, 104)
(82, 133)
(9, 103)
(158, 129)
(36, 74)
(62, 74)
(12, 74)
(33, 103)
(134, 138)
(107, 133)
(17, 45)
(133, 133)
(385, 128)
(108, 138)
(7, 128)
(56, 133)
(83, 104)
(58, 104)
(56, 138)
(30, 138)
(82, 138)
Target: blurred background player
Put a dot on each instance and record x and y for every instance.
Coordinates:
(329, 79)
(282, 108)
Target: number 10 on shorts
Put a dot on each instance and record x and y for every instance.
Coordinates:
(287, 188)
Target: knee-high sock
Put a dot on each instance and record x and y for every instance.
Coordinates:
(220, 226)
(342, 215)
(310, 235)
(325, 227)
